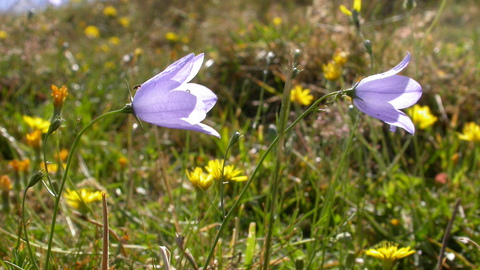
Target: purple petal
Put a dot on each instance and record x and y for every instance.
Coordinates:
(402, 65)
(158, 109)
(400, 91)
(386, 113)
(197, 64)
(202, 93)
(55, 2)
(198, 127)
(172, 77)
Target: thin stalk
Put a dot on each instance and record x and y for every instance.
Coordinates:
(25, 230)
(64, 178)
(222, 204)
(272, 204)
(255, 171)
(262, 92)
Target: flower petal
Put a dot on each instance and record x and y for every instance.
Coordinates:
(402, 65)
(158, 109)
(400, 91)
(198, 127)
(172, 77)
(197, 64)
(388, 114)
(202, 93)
(345, 10)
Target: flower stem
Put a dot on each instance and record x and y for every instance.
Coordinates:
(272, 204)
(25, 231)
(64, 178)
(255, 171)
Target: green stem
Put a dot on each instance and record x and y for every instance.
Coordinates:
(25, 230)
(222, 204)
(254, 173)
(272, 204)
(262, 93)
(126, 109)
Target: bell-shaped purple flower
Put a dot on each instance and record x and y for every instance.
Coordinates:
(169, 100)
(382, 95)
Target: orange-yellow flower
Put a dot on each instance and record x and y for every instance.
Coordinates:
(3, 34)
(92, 31)
(24, 165)
(124, 21)
(170, 36)
(82, 199)
(214, 168)
(59, 95)
(422, 116)
(471, 132)
(277, 21)
(5, 183)
(110, 11)
(200, 179)
(123, 162)
(34, 139)
(340, 57)
(332, 71)
(36, 123)
(357, 5)
(389, 253)
(301, 96)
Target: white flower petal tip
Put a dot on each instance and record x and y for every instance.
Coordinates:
(169, 100)
(383, 95)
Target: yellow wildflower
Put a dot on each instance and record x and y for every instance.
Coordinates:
(5, 183)
(200, 179)
(172, 37)
(214, 168)
(471, 132)
(277, 21)
(422, 116)
(110, 65)
(52, 168)
(357, 5)
(59, 95)
(301, 96)
(3, 34)
(123, 162)
(110, 11)
(340, 57)
(394, 222)
(82, 199)
(63, 155)
(15, 165)
(138, 52)
(332, 71)
(389, 253)
(185, 40)
(34, 139)
(92, 31)
(36, 123)
(24, 165)
(114, 40)
(124, 21)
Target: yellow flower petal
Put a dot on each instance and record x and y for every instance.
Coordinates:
(357, 5)
(422, 116)
(345, 10)
(471, 132)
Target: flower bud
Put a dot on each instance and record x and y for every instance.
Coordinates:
(36, 177)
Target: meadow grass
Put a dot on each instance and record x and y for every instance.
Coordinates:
(325, 183)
